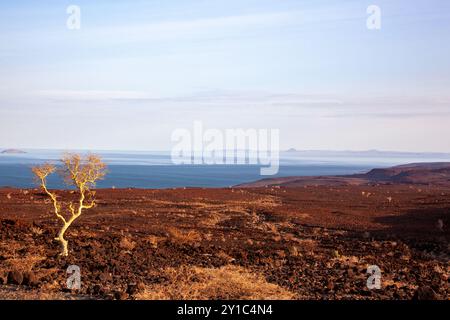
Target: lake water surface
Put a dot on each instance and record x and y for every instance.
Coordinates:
(155, 169)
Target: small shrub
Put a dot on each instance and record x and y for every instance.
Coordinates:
(127, 244)
(184, 237)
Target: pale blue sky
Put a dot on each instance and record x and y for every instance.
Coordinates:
(137, 70)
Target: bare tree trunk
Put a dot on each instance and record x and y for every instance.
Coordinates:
(60, 238)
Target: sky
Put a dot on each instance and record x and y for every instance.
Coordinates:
(138, 70)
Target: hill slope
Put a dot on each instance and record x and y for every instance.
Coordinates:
(436, 173)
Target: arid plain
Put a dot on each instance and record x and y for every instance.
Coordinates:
(274, 241)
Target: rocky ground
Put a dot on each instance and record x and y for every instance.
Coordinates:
(311, 242)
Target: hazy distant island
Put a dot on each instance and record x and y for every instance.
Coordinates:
(367, 153)
(12, 151)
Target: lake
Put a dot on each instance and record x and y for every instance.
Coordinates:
(155, 169)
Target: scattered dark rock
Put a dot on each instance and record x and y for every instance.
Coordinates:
(109, 296)
(134, 288)
(98, 290)
(311, 261)
(15, 277)
(120, 295)
(425, 293)
(330, 285)
(30, 279)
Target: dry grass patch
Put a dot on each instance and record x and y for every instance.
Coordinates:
(223, 255)
(349, 261)
(16, 258)
(228, 282)
(11, 293)
(263, 202)
(184, 237)
(23, 264)
(398, 284)
(213, 219)
(307, 245)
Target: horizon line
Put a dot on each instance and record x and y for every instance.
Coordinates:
(292, 150)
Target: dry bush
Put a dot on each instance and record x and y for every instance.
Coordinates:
(271, 227)
(153, 240)
(293, 251)
(127, 244)
(228, 282)
(36, 230)
(184, 237)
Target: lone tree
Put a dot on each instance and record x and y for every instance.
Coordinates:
(79, 172)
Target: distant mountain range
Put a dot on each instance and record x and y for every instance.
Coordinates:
(436, 173)
(12, 151)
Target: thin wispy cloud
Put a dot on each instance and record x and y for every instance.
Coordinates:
(137, 70)
(91, 95)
